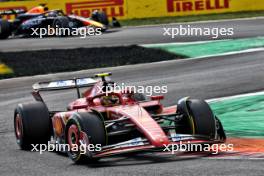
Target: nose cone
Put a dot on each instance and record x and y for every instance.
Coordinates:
(147, 125)
(160, 141)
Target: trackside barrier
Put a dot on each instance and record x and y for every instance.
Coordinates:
(128, 9)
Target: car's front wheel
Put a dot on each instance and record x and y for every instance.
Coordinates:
(85, 134)
(198, 118)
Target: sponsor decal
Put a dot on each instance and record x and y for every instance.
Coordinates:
(112, 8)
(196, 5)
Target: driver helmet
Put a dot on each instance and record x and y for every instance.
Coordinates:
(110, 100)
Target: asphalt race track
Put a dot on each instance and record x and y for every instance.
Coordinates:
(133, 36)
(201, 78)
(206, 78)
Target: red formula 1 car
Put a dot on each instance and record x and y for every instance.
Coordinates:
(114, 122)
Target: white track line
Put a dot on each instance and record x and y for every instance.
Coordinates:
(252, 50)
(235, 96)
(182, 43)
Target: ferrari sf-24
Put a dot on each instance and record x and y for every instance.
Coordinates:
(119, 121)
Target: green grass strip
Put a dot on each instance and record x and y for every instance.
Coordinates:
(211, 48)
(241, 117)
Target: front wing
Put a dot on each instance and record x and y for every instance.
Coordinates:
(142, 145)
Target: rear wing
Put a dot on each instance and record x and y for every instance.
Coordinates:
(64, 84)
(12, 12)
(75, 83)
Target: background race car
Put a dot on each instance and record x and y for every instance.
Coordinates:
(41, 17)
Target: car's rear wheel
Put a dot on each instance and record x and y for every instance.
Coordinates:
(62, 22)
(86, 129)
(32, 124)
(198, 118)
(5, 29)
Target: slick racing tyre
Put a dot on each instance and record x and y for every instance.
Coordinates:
(5, 29)
(88, 130)
(198, 118)
(32, 124)
(62, 22)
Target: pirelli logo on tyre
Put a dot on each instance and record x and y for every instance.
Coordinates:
(113, 8)
(196, 5)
